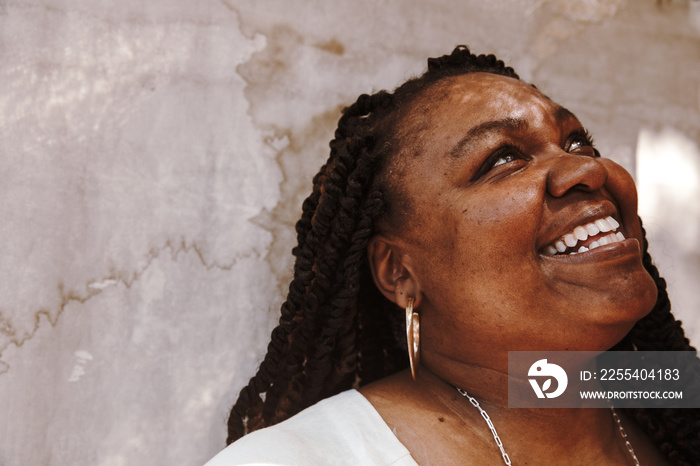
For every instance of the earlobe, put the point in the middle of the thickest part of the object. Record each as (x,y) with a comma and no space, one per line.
(392,272)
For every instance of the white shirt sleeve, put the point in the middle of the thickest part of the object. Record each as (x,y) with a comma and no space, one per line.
(338,431)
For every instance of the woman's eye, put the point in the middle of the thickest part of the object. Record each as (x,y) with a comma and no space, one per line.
(504,159)
(502,156)
(581,141)
(576,144)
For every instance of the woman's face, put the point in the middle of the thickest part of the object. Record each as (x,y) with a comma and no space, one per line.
(495,175)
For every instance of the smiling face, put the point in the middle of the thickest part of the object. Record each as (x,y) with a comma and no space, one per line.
(498,178)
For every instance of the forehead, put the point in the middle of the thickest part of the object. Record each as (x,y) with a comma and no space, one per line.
(476,98)
(453,113)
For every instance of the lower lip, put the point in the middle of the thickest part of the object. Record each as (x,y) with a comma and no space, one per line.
(619,250)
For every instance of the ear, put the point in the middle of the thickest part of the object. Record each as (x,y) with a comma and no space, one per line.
(392,272)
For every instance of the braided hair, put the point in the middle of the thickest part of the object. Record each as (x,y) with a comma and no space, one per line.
(337,331)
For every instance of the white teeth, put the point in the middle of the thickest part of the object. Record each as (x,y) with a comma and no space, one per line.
(581,233)
(603,225)
(570,241)
(592,229)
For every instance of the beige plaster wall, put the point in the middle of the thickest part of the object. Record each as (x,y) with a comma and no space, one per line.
(155,154)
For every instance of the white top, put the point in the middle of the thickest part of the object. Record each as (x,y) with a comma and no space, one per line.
(341,430)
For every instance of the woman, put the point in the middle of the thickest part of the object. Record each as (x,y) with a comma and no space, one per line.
(446,212)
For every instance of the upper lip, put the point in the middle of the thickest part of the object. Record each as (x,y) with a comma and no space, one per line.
(590,214)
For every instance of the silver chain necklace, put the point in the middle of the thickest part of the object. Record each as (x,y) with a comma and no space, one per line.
(624,436)
(506,458)
(472,400)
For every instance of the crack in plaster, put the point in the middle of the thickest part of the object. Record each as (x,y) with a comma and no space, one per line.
(95,287)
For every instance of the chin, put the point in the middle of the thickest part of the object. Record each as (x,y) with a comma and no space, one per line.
(628,309)
(633,297)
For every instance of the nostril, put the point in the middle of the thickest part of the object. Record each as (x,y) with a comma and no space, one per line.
(581,187)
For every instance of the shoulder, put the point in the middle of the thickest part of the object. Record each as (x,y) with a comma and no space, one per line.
(341,430)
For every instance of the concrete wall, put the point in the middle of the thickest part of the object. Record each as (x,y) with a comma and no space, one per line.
(155,154)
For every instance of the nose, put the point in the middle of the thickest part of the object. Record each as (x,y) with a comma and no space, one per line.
(575,172)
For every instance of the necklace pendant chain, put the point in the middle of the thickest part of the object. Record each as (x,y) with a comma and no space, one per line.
(497,439)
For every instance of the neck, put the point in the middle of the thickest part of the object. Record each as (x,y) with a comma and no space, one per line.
(563,431)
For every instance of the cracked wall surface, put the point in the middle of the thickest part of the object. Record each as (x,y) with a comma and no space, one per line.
(155,156)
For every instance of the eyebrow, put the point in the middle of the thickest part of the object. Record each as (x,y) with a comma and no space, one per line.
(487,127)
(561,114)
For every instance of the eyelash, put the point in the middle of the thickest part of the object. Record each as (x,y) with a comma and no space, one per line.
(507,149)
(510,149)
(583,135)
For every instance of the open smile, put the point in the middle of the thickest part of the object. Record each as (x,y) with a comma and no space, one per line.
(586,237)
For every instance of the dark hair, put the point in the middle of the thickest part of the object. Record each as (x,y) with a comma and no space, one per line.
(337,331)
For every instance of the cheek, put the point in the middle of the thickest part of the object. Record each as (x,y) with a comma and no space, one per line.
(502,223)
(481,243)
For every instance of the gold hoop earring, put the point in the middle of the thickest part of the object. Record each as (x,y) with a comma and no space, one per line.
(412,337)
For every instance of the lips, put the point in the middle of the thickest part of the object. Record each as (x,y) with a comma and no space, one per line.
(586,237)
